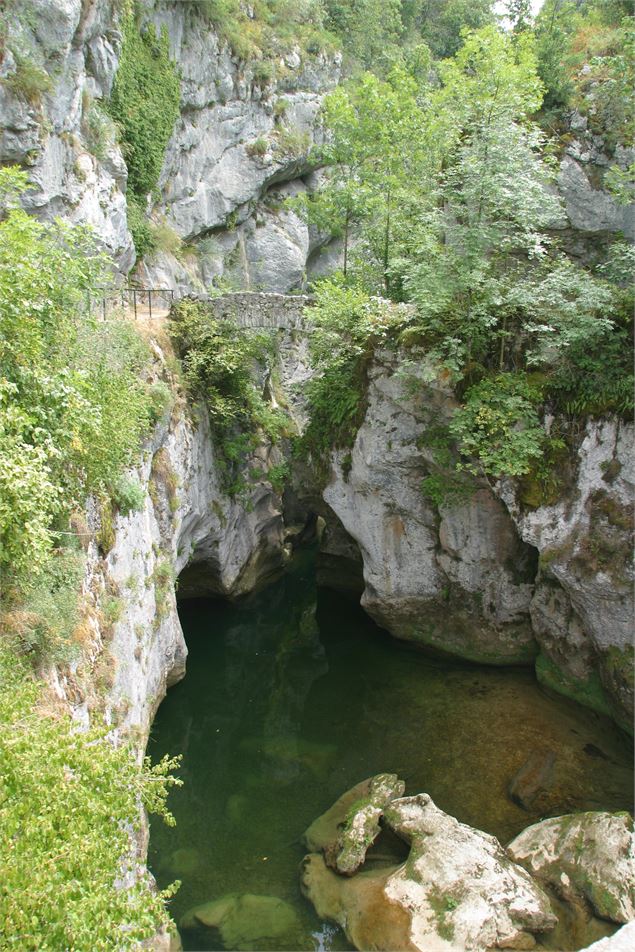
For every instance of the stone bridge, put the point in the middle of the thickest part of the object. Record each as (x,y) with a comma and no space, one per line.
(268,311)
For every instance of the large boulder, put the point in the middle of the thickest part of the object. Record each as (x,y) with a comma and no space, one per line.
(456,890)
(587,856)
(360,827)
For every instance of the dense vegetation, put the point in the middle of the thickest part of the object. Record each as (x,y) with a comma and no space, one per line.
(439,188)
(69,802)
(145,104)
(74,405)
(219,362)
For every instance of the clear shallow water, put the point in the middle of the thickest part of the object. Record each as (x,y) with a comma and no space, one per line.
(292,696)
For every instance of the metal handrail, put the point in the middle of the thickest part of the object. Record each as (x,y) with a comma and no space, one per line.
(130,297)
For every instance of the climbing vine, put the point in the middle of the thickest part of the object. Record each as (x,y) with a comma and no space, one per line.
(145,103)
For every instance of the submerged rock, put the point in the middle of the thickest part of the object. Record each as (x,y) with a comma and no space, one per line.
(457,889)
(244,921)
(534,778)
(587,856)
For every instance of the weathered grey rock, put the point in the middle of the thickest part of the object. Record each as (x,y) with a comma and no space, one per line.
(212,177)
(420,564)
(457,890)
(360,827)
(582,609)
(591,209)
(245,921)
(210,171)
(585,856)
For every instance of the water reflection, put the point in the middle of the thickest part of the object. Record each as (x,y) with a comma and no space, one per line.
(292,696)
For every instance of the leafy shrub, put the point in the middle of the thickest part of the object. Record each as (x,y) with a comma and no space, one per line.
(99,130)
(145,103)
(69,804)
(347,325)
(292,142)
(28,80)
(42,612)
(161,401)
(218,359)
(499,426)
(258,147)
(128,495)
(165,238)
(140,227)
(263,72)
(73,400)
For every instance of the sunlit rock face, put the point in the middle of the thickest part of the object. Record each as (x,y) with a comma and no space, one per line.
(238,149)
(457,889)
(489,577)
(456,579)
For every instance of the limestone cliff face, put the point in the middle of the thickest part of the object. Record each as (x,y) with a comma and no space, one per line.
(486,577)
(77,45)
(136,645)
(216,184)
(189,534)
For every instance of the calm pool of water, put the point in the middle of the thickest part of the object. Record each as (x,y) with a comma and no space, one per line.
(294,695)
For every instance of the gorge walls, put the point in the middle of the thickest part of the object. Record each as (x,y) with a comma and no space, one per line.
(238,148)
(491,577)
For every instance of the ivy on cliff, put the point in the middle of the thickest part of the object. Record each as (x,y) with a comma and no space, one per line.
(145,103)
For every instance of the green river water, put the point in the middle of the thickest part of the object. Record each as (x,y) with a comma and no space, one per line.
(293,695)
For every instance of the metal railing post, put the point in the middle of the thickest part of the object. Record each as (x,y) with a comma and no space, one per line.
(150,302)
(134,297)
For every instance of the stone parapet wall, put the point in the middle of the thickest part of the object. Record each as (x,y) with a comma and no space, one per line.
(261,310)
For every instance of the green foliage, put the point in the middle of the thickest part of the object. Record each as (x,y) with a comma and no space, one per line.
(258,147)
(267,29)
(99,130)
(445,187)
(445,483)
(586,61)
(218,360)
(163,580)
(165,238)
(278,475)
(161,401)
(291,142)
(442,22)
(499,427)
(41,610)
(69,802)
(367,28)
(347,326)
(28,80)
(73,402)
(145,102)
(140,227)
(128,495)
